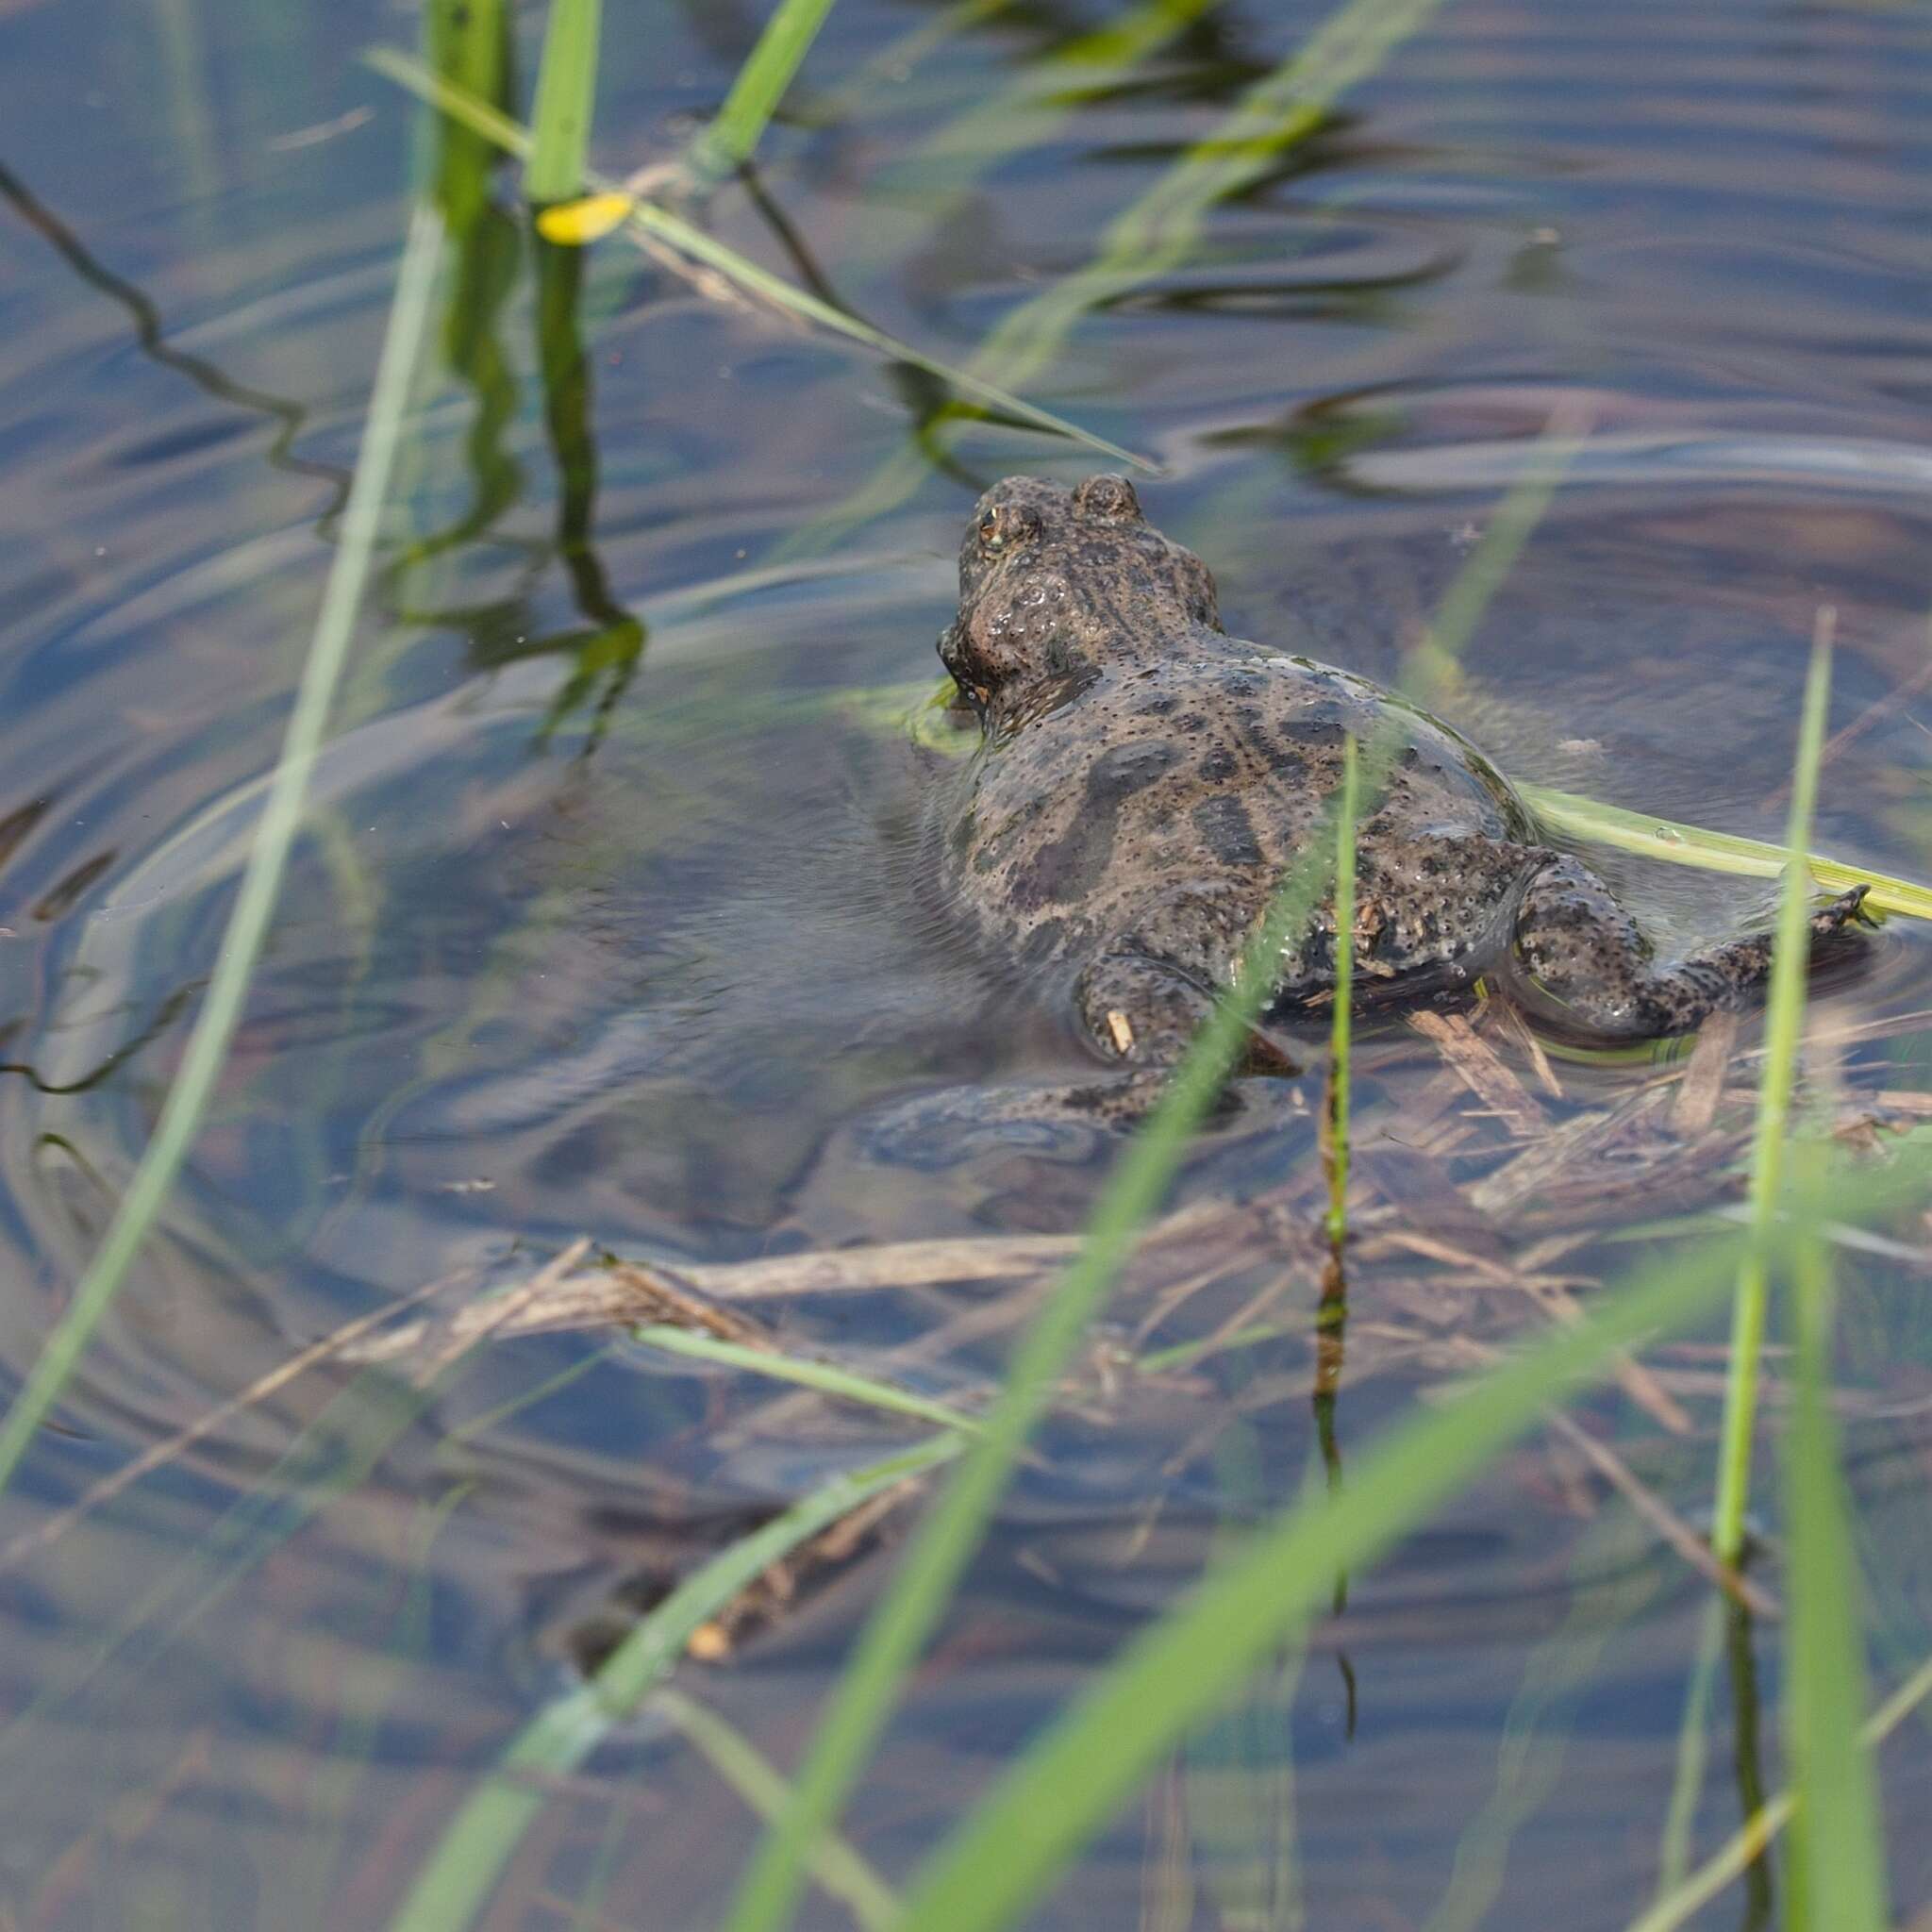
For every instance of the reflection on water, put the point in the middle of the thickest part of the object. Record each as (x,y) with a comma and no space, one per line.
(612,917)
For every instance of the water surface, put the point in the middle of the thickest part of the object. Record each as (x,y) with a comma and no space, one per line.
(609,921)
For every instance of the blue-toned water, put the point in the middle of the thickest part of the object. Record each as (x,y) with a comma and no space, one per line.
(609,919)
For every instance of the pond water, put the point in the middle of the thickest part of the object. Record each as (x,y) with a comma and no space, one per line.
(607,921)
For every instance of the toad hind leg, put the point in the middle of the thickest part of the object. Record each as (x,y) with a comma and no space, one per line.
(1580,961)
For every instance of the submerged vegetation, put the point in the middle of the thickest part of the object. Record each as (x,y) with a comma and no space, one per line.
(1067,1782)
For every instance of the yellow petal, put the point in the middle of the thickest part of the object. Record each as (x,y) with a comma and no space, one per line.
(576,223)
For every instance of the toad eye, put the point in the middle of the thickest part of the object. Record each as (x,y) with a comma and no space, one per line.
(1006,525)
(1110,497)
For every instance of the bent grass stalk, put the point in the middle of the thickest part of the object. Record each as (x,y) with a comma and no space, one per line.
(1784,1020)
(1673,843)
(207,1046)
(481,1839)
(478,115)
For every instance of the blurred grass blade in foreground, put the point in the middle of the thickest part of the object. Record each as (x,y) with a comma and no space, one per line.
(828,1378)
(1159,231)
(462,1873)
(227,989)
(1071,1780)
(1783,1025)
(1835,1877)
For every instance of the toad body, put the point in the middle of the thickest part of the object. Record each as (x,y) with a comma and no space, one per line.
(1145,782)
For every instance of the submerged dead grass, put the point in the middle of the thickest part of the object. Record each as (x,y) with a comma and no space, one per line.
(1477,1214)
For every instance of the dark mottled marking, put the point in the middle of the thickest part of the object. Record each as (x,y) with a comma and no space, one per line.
(1124,769)
(1066,870)
(1070,868)
(1219,766)
(1228,832)
(1289,766)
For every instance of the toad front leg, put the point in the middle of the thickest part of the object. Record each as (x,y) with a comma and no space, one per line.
(1144,1010)
(1581,962)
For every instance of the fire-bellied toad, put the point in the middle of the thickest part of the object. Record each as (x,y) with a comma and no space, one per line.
(1145,781)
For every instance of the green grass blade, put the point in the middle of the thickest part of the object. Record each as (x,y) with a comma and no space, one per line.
(1836,1876)
(700,246)
(457,1880)
(1784,1020)
(1159,232)
(1070,1783)
(733,137)
(566,88)
(1680,844)
(1435,662)
(1687,1782)
(227,989)
(830,1380)
(409,73)
(838,1870)
(437,91)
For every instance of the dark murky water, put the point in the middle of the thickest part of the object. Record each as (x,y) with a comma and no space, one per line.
(588,940)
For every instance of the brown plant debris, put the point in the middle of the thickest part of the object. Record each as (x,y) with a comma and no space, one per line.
(631,1294)
(1694,1111)
(1483,1072)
